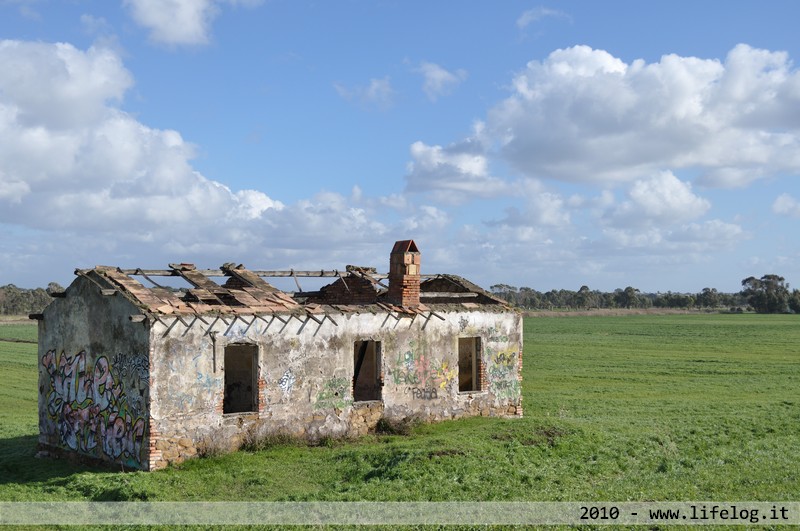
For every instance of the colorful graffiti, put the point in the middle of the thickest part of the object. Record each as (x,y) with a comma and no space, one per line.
(505,358)
(502,373)
(135,369)
(495,336)
(416,369)
(90,408)
(334,394)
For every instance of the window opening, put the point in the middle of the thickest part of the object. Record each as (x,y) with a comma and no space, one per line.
(469,359)
(367,370)
(241,362)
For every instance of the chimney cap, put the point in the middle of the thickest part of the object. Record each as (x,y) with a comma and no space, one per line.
(405,246)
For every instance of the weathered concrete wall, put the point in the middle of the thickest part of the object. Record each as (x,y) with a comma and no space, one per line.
(94,377)
(304,377)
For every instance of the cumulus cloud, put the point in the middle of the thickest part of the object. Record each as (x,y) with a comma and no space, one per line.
(180,22)
(175,21)
(542,208)
(583,115)
(377,93)
(72,160)
(439,81)
(425,219)
(54,86)
(74,167)
(662,199)
(786,205)
(452,173)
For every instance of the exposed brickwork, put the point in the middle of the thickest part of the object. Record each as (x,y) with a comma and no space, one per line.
(483,382)
(352,289)
(262,395)
(404,270)
(154,454)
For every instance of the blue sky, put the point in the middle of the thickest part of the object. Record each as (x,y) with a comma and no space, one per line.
(549,145)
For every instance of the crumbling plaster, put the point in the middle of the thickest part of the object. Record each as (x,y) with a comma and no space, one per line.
(305,372)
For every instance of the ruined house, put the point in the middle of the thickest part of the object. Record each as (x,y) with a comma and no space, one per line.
(142,375)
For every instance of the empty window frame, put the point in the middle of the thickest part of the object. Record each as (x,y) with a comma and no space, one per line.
(366,370)
(469,364)
(241,367)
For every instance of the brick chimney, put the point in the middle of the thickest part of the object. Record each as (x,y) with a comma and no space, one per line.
(404,265)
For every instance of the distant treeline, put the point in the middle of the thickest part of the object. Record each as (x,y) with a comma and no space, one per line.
(587,299)
(769,294)
(21,301)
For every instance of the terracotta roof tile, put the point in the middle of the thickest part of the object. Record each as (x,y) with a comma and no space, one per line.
(245,293)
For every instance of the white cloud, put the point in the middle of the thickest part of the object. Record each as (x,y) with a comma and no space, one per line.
(542,208)
(378,93)
(175,21)
(662,199)
(583,115)
(680,241)
(786,205)
(180,22)
(453,173)
(73,161)
(538,13)
(549,209)
(426,219)
(712,234)
(122,192)
(12,189)
(56,85)
(438,81)
(95,25)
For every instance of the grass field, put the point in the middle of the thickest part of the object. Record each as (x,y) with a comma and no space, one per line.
(678,407)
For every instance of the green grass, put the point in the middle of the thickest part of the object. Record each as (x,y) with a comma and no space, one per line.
(18,332)
(684,407)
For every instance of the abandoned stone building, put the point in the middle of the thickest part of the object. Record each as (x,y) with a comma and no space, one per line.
(139,374)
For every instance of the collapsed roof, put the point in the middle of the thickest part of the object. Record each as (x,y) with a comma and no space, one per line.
(244,291)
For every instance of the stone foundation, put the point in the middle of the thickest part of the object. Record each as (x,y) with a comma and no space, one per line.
(365,417)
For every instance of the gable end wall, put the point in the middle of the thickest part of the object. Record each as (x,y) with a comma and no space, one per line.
(94,386)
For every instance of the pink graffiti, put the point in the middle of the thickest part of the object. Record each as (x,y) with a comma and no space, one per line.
(90,408)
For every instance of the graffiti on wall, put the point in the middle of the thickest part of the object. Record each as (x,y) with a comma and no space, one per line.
(286,383)
(334,394)
(496,336)
(242,330)
(189,383)
(417,369)
(502,373)
(134,369)
(91,410)
(504,358)
(423,393)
